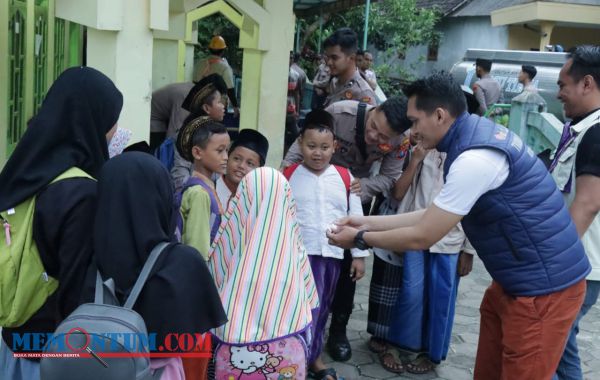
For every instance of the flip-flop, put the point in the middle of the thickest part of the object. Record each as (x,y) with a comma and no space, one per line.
(377,345)
(420,365)
(397,367)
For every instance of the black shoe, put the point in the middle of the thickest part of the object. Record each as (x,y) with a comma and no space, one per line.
(339,347)
(337,343)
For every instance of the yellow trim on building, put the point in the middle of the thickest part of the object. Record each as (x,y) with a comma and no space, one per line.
(551,19)
(180,61)
(541,10)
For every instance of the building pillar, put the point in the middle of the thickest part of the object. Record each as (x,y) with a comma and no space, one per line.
(265,73)
(173,52)
(546,28)
(125,56)
(165,56)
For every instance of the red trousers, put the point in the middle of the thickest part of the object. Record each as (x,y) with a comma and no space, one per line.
(523,338)
(195,368)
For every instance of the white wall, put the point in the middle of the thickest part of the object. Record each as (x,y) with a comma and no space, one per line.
(164,63)
(125,57)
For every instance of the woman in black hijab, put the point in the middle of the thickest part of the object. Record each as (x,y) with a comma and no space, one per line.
(71,129)
(135,197)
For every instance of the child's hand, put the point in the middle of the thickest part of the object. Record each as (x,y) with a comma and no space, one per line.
(355,187)
(357,270)
(418,154)
(342,237)
(465,263)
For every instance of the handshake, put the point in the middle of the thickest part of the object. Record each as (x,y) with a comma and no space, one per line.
(332,228)
(342,232)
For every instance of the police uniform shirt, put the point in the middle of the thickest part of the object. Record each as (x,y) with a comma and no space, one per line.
(356,88)
(348,154)
(215,65)
(166,114)
(487,91)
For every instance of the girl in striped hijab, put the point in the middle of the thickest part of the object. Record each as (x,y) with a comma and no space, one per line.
(265,282)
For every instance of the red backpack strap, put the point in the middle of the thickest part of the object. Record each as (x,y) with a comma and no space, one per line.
(345,174)
(288,171)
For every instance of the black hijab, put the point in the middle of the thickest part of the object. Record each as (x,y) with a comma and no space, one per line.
(135,197)
(69,130)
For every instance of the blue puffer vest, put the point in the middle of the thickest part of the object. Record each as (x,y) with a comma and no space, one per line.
(522,231)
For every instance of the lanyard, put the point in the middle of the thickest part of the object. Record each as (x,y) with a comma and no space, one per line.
(562,148)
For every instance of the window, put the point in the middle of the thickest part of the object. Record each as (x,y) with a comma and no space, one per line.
(432,52)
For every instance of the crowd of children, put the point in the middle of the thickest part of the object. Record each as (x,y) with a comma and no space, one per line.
(248,258)
(254,266)
(249,251)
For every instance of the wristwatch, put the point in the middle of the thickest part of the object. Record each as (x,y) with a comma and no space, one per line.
(359,242)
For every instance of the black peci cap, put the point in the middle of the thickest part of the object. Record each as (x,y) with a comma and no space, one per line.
(203,88)
(253,140)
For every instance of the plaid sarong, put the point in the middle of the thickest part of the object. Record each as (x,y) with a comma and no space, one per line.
(386,283)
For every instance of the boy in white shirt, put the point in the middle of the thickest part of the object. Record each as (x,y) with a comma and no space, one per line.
(322,193)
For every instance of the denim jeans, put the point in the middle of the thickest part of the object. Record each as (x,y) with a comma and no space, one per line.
(569,367)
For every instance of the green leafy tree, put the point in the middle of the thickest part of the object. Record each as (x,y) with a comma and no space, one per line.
(394,27)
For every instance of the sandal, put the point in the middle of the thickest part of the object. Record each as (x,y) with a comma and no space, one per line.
(377,345)
(420,365)
(322,374)
(396,366)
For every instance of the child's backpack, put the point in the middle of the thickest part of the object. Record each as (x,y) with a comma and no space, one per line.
(344,173)
(108,328)
(166,153)
(24,284)
(215,212)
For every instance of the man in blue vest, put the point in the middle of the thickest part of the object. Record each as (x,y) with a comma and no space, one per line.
(515,218)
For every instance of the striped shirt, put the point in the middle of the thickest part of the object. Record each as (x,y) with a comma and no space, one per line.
(260,265)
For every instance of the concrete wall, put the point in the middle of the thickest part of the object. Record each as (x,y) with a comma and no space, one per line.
(165,60)
(520,38)
(569,37)
(459,34)
(126,57)
(164,63)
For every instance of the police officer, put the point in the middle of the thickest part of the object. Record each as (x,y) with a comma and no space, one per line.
(381,139)
(487,90)
(166,114)
(320,83)
(347,83)
(215,63)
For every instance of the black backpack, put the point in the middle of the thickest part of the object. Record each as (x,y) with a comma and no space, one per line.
(89,323)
